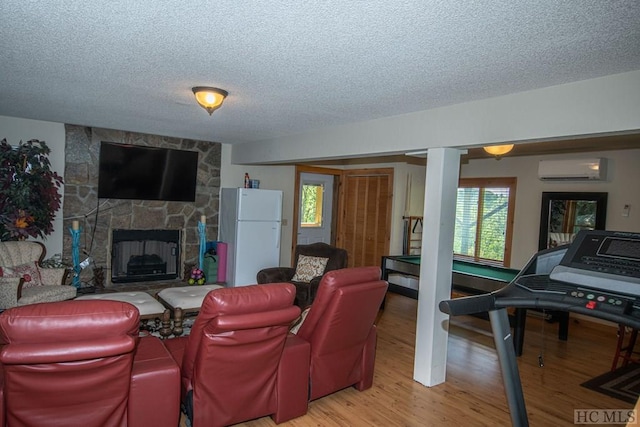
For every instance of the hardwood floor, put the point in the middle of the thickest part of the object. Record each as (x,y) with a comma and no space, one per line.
(473,394)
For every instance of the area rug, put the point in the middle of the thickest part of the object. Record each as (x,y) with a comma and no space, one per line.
(623,383)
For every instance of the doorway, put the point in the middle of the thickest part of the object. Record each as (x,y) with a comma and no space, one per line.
(360,211)
(314,175)
(316,208)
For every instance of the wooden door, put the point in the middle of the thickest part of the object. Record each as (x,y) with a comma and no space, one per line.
(364,222)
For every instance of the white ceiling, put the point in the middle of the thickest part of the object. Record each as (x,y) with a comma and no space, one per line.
(294,66)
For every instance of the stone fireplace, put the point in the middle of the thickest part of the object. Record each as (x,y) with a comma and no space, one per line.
(99,218)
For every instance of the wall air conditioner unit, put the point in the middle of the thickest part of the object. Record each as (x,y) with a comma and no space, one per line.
(573,170)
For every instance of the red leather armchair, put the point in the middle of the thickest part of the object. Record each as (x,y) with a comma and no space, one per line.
(81,363)
(240,362)
(340,328)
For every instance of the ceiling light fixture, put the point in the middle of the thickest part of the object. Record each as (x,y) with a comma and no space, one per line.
(210,98)
(498,150)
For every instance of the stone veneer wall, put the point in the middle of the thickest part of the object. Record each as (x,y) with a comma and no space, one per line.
(82,149)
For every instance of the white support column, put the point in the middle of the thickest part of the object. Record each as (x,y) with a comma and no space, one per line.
(443,165)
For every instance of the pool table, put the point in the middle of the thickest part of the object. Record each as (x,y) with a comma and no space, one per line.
(469,278)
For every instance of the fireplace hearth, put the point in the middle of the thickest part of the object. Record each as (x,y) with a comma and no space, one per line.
(144,255)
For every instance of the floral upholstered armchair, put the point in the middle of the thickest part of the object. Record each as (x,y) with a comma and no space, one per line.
(311,262)
(22,279)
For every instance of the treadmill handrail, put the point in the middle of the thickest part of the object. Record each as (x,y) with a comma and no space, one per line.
(473,304)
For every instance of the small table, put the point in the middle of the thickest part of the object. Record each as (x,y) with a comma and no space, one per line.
(183,300)
(148,307)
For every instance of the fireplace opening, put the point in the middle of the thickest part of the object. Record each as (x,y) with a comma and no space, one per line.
(144,255)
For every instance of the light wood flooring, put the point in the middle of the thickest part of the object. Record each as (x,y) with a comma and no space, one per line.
(473,394)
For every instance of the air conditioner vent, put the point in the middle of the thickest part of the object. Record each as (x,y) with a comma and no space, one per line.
(573,170)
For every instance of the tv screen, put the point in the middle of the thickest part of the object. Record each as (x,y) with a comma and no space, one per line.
(146,173)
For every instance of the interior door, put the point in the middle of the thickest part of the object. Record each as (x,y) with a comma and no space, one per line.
(365,221)
(316,206)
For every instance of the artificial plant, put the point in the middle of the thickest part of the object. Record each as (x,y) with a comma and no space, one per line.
(29,190)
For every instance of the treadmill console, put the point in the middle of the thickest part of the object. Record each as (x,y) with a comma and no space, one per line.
(602,260)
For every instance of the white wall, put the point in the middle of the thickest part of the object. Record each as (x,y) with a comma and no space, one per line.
(271,178)
(16,130)
(283,178)
(623,177)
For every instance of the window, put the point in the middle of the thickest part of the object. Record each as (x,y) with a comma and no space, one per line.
(312,205)
(484,219)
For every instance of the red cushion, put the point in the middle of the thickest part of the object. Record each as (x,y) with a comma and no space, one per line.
(100,318)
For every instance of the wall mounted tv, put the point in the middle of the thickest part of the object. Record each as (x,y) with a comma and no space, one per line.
(146,173)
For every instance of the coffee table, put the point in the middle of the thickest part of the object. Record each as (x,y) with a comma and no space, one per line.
(183,300)
(148,306)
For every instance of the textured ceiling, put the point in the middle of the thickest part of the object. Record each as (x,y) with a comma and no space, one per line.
(291,67)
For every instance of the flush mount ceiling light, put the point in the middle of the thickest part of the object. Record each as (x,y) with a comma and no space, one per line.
(498,150)
(209,98)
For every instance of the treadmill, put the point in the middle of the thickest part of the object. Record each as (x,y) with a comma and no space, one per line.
(597,275)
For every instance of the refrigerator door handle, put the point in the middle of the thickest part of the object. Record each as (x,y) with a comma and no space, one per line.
(278,233)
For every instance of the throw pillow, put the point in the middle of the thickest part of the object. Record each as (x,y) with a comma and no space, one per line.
(29,272)
(309,267)
(299,321)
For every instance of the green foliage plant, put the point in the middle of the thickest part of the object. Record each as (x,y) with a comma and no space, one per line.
(29,190)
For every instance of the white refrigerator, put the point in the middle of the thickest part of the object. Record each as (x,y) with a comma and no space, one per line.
(250,223)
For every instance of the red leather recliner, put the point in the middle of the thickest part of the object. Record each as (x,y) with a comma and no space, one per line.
(81,363)
(340,328)
(240,362)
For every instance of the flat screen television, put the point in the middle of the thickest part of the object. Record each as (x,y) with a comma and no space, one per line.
(146,173)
